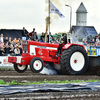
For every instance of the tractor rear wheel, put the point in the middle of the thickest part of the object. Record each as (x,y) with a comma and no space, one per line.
(74,60)
(20,68)
(36,65)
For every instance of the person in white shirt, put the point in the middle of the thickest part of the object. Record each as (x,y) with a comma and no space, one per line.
(17,51)
(2,38)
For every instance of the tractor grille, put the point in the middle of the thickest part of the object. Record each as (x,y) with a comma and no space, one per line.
(25,48)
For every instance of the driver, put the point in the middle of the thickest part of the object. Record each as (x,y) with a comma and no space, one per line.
(63,41)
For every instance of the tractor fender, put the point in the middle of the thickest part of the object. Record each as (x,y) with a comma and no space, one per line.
(71,44)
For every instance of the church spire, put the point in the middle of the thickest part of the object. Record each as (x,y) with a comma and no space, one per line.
(81,8)
(81,15)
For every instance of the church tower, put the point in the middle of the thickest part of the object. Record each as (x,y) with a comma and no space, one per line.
(81,15)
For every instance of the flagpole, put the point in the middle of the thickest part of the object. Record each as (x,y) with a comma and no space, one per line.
(49,21)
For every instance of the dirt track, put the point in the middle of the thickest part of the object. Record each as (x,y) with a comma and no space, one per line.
(9,75)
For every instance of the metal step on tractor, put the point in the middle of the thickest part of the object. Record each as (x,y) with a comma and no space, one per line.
(72,60)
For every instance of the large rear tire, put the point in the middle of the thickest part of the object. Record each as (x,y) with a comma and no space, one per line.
(20,69)
(36,65)
(74,60)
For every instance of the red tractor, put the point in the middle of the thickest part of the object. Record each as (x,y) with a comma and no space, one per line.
(72,60)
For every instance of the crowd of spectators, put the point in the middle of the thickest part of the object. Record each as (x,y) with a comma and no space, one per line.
(13,47)
(35,37)
(94,42)
(9,46)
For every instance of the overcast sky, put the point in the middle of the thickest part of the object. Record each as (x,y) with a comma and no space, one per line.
(14,14)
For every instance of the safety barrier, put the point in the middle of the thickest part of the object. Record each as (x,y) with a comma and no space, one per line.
(4,63)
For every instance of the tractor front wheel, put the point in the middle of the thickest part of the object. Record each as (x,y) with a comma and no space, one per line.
(20,68)
(36,65)
(74,60)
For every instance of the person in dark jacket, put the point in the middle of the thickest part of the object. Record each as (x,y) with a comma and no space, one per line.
(11,51)
(49,37)
(6,49)
(24,34)
(2,51)
(63,41)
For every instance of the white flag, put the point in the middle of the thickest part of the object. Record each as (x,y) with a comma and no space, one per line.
(53,9)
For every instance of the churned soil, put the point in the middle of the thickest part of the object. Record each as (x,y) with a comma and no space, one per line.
(10,75)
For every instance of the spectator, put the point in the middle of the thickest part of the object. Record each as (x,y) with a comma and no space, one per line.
(9,41)
(19,40)
(43,35)
(20,47)
(24,34)
(2,44)
(35,36)
(75,39)
(53,39)
(38,36)
(2,51)
(18,43)
(13,43)
(42,40)
(5,39)
(11,51)
(57,40)
(97,40)
(11,46)
(93,43)
(2,38)
(31,33)
(32,37)
(15,40)
(6,49)
(49,37)
(17,51)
